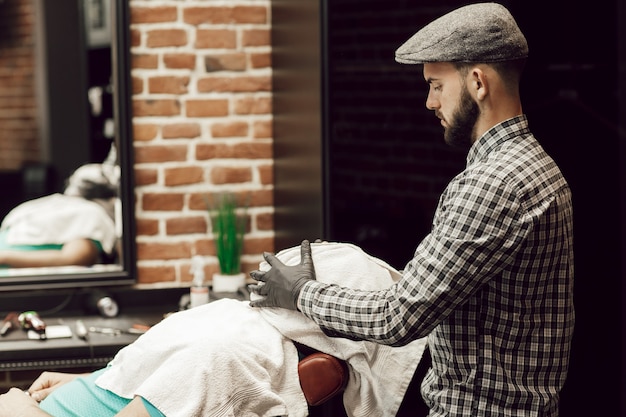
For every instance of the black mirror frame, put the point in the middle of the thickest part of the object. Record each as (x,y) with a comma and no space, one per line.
(123,118)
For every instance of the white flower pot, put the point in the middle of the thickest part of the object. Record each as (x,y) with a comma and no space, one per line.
(228,283)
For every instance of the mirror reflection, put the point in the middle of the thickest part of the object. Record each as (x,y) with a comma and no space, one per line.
(75,227)
(59,149)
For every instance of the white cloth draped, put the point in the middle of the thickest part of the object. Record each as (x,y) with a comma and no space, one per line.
(229,359)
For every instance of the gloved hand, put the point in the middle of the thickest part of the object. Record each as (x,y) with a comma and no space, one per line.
(281,285)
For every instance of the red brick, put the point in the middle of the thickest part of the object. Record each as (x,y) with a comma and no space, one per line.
(265,221)
(186,225)
(231,129)
(137,85)
(258,245)
(250,14)
(183,176)
(180,61)
(207,108)
(224,15)
(145,176)
(216,39)
(205,247)
(225,62)
(256,37)
(245,150)
(253,105)
(262,198)
(135,37)
(262,129)
(153,250)
(235,84)
(144,132)
(210,15)
(168,85)
(155,274)
(261,60)
(153,14)
(181,130)
(266,172)
(158,153)
(230,175)
(147,227)
(160,38)
(163,201)
(160,107)
(145,61)
(253,150)
(206,151)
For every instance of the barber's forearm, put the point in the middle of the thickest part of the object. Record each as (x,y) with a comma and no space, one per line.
(326,305)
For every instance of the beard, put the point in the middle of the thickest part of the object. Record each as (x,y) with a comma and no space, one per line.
(460,131)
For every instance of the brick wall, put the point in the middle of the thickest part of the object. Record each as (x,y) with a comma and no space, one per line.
(18,129)
(201,79)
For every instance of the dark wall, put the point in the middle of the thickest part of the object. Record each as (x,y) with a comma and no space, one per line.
(385,163)
(571,96)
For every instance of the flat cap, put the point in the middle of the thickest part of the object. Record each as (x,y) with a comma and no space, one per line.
(482,32)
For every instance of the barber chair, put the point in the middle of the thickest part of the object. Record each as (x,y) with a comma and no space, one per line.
(323,377)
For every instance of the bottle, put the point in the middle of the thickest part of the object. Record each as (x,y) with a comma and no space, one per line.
(199,293)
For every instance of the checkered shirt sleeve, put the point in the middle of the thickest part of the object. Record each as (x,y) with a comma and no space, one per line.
(491,286)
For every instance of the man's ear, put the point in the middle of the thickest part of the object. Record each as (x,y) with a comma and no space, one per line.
(479,85)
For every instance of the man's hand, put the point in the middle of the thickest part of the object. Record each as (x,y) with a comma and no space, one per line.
(281,285)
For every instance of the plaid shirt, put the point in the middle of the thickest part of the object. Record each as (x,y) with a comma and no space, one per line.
(491,286)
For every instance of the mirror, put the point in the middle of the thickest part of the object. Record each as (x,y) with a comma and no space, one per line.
(64,67)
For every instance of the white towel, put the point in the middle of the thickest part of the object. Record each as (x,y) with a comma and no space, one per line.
(219,359)
(57,219)
(229,359)
(379,374)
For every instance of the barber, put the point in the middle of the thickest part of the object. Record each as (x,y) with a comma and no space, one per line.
(491,284)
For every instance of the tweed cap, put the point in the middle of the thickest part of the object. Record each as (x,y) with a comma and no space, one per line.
(483,32)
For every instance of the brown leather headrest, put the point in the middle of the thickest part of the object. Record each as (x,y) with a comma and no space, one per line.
(322,376)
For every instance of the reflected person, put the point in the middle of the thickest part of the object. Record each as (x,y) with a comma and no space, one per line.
(76,227)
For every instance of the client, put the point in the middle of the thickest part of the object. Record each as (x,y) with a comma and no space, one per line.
(76,227)
(226,358)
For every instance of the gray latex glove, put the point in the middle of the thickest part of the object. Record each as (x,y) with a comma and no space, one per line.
(281,285)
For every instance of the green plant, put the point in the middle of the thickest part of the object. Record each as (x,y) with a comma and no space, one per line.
(228,227)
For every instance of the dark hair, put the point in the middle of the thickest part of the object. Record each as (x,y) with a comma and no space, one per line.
(92,190)
(91,182)
(509,71)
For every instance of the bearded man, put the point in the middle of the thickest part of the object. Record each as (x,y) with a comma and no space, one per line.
(491,285)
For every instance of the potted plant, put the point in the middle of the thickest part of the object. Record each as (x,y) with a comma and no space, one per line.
(228,227)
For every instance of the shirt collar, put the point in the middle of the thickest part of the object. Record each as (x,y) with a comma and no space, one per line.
(497,135)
